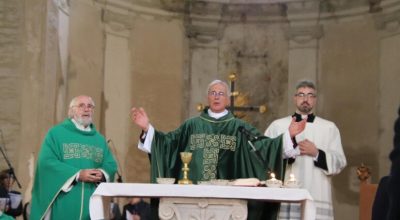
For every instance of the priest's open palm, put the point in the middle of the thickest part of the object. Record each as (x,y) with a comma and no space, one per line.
(139,117)
(296,128)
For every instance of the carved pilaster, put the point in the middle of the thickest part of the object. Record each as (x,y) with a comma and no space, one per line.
(202,29)
(304,29)
(303,34)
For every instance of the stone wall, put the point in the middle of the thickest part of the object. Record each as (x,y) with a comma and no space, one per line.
(11,17)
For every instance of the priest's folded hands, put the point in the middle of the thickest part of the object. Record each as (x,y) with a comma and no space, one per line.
(90,175)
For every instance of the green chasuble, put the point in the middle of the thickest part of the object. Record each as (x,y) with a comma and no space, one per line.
(65,151)
(6,217)
(219,151)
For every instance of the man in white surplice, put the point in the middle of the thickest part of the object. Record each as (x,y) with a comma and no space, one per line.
(319,153)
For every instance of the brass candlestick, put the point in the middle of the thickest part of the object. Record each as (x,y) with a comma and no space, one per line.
(186,157)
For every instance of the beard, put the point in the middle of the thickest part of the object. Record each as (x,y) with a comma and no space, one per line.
(84,121)
(305,108)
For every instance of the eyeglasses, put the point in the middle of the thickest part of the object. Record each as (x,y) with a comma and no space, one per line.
(215,94)
(83,106)
(308,95)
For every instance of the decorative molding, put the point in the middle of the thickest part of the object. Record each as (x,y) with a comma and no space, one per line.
(255,11)
(116,23)
(388,22)
(304,34)
(174,5)
(138,9)
(202,209)
(203,32)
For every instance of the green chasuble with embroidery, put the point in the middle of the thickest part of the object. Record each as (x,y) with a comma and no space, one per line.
(65,151)
(219,151)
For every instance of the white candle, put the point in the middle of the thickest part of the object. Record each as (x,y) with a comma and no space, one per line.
(291,177)
(273,182)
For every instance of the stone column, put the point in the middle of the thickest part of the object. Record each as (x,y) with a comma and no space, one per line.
(117,84)
(86,54)
(39,79)
(303,34)
(389,78)
(63,52)
(204,37)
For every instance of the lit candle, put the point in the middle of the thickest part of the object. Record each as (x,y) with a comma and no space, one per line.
(273,182)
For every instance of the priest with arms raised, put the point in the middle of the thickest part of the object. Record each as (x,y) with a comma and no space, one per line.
(219,150)
(73,159)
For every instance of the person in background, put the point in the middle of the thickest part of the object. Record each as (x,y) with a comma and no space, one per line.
(319,153)
(219,145)
(136,209)
(14,206)
(115,212)
(73,160)
(394,178)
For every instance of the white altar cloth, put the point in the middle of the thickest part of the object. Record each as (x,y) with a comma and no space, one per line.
(199,191)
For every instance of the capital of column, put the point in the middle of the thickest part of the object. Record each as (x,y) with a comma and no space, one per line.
(204,33)
(116,23)
(203,24)
(304,22)
(389,22)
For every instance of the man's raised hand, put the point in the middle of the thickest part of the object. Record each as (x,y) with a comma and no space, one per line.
(296,128)
(139,117)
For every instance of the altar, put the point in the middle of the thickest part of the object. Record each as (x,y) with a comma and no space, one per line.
(204,201)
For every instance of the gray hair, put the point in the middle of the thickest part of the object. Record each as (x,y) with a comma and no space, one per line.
(73,103)
(306,83)
(217,81)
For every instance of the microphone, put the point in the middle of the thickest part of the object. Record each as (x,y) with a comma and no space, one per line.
(11,169)
(250,136)
(111,143)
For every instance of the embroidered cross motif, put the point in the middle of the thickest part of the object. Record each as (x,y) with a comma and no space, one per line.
(211,145)
(76,150)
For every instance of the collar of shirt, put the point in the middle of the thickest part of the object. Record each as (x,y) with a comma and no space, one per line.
(299,117)
(80,127)
(217,115)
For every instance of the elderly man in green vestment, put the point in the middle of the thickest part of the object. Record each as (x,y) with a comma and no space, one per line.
(73,159)
(219,149)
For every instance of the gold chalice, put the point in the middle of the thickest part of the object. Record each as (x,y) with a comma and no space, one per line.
(186,157)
